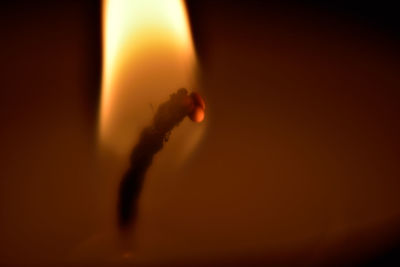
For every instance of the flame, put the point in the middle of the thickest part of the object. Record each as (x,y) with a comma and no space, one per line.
(148,54)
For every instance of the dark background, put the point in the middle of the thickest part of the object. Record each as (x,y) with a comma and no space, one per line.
(303,95)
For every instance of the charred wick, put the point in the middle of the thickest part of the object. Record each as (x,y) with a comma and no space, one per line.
(168,115)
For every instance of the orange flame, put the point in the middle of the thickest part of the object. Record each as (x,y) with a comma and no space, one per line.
(148,54)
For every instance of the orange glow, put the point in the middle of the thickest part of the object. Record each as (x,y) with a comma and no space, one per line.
(148,54)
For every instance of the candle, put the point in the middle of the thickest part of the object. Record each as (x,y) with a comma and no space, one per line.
(148,55)
(298,163)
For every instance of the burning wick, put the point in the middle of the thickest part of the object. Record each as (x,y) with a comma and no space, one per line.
(152,138)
